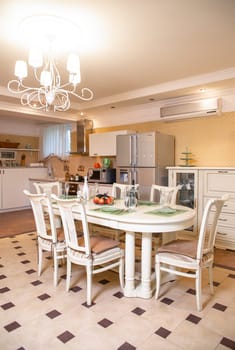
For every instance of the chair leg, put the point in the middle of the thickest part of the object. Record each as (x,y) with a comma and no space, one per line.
(68,274)
(121,272)
(39,260)
(198,289)
(89,283)
(158,278)
(210,271)
(55,267)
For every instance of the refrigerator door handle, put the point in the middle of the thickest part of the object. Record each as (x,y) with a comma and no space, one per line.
(130,151)
(133,150)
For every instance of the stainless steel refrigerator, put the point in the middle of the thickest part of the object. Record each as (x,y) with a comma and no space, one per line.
(143,158)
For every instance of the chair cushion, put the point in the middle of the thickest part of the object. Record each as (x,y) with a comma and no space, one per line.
(60,234)
(181,247)
(100,244)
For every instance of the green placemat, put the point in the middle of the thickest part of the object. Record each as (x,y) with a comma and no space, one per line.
(166,211)
(111,210)
(68,197)
(140,202)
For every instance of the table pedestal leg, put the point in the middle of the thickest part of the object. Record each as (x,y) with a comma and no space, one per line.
(129,290)
(145,290)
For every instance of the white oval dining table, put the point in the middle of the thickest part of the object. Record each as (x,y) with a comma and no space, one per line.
(142,221)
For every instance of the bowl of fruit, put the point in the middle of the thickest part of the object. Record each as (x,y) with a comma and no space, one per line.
(102,199)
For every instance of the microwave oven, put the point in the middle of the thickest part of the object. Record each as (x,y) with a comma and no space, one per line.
(7,155)
(102,175)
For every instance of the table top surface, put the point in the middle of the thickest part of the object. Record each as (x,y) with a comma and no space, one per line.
(147,217)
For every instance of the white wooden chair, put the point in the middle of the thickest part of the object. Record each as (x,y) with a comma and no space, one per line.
(96,253)
(119,190)
(50,238)
(164,194)
(48,187)
(167,195)
(188,257)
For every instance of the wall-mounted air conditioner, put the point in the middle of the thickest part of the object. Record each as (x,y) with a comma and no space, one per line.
(201,108)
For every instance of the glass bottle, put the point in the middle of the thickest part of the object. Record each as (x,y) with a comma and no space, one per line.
(85,190)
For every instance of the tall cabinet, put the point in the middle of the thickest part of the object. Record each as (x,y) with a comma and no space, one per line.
(187,178)
(201,183)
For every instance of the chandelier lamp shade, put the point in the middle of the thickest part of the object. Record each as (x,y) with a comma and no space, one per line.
(49,93)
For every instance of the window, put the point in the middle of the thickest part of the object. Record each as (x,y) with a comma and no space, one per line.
(55,139)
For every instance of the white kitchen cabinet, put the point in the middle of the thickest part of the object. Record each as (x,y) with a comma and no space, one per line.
(213,184)
(12,183)
(209,183)
(104,144)
(188,193)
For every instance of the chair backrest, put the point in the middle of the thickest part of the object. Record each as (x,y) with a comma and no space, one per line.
(167,191)
(41,204)
(66,206)
(48,187)
(119,190)
(208,228)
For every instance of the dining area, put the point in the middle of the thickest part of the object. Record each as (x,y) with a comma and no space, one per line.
(96,252)
(119,317)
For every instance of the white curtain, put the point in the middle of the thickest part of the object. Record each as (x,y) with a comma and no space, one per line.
(55,139)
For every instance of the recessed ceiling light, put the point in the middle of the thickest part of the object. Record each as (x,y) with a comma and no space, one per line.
(202,90)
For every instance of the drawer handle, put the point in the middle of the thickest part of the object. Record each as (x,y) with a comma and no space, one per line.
(222,220)
(222,234)
(222,171)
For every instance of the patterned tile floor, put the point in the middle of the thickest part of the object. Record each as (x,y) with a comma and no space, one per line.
(35,315)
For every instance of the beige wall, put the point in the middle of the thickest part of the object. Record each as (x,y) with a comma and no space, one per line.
(210,139)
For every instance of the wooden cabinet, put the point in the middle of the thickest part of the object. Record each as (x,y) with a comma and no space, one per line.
(12,183)
(210,183)
(104,144)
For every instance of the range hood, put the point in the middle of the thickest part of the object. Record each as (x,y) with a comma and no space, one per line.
(80,137)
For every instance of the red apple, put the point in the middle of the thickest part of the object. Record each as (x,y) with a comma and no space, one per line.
(96,200)
(101,200)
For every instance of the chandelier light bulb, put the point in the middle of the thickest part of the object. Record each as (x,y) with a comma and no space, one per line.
(73,63)
(45,78)
(21,70)
(35,57)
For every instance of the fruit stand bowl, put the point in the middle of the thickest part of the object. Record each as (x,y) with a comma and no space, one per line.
(103,199)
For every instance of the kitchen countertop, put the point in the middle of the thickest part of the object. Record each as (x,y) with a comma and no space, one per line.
(45,179)
(200,167)
(22,167)
(49,179)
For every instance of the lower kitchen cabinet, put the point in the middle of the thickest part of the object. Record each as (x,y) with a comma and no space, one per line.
(213,184)
(12,183)
(200,184)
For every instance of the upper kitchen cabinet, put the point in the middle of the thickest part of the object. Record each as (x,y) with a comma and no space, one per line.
(104,144)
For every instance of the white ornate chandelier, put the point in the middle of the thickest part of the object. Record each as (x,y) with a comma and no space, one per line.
(51,94)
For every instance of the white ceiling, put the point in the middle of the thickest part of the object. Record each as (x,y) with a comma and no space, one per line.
(138,54)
